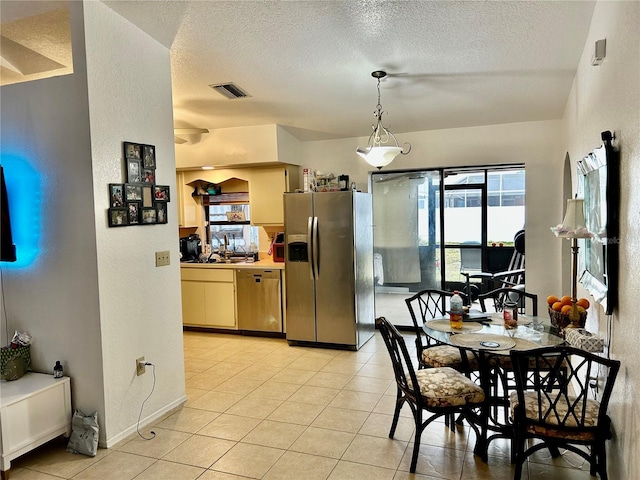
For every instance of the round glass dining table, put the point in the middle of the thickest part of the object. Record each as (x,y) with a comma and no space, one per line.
(488,336)
(491,334)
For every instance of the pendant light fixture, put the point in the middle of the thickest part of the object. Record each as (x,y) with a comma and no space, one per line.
(377,153)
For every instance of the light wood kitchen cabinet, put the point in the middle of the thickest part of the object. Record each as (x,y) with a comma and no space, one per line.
(208,298)
(266,186)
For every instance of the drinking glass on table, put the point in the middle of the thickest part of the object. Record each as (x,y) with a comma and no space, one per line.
(536,324)
(509,313)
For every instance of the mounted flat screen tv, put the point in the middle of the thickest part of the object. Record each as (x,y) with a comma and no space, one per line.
(599,182)
(7,248)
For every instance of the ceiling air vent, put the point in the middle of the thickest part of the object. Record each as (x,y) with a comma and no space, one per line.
(230,90)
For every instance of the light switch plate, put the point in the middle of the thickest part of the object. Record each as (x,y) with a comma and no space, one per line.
(162,258)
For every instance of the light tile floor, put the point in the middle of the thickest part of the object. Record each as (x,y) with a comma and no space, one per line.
(258,408)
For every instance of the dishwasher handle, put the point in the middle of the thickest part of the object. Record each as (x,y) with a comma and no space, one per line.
(257,277)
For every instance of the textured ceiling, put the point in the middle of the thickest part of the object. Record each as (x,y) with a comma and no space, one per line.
(35,41)
(307,64)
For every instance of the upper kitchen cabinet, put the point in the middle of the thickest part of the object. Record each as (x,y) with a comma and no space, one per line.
(266,186)
(239,147)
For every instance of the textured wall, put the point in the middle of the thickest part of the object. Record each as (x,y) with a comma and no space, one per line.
(536,144)
(92,297)
(607,97)
(45,125)
(129,85)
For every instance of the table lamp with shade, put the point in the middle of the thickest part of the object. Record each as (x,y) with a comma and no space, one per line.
(573,227)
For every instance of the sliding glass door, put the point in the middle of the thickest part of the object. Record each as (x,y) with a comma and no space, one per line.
(431,225)
(465,219)
(406,212)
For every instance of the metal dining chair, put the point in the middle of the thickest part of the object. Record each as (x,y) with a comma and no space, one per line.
(440,391)
(552,403)
(511,277)
(423,306)
(499,296)
(427,305)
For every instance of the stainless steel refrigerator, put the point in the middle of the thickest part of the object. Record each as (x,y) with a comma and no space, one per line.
(329,268)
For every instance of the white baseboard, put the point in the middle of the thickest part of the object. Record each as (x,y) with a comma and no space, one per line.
(110,442)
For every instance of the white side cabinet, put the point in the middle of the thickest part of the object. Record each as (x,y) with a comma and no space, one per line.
(33,410)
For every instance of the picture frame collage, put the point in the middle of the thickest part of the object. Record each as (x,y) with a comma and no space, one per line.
(138,200)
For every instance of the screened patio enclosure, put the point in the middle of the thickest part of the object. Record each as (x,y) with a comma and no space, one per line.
(432,225)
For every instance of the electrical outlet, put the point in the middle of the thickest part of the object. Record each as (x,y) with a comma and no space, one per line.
(162,258)
(140,366)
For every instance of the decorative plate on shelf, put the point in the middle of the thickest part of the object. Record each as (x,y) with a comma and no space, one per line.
(236,217)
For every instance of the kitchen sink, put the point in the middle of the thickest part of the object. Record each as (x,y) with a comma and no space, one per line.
(234,260)
(225,260)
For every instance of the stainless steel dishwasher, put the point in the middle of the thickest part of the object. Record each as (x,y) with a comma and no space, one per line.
(259,300)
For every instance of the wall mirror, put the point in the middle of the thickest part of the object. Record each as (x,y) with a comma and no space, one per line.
(599,185)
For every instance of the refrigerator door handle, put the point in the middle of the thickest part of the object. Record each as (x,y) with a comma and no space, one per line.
(316,249)
(310,247)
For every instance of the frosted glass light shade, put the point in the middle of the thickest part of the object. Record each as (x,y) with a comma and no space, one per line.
(379,156)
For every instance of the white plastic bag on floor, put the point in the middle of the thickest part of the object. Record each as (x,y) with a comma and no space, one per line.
(84,434)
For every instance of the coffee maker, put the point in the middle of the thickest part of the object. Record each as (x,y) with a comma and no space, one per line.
(190,248)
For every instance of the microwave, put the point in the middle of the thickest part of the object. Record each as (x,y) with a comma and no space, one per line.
(278,248)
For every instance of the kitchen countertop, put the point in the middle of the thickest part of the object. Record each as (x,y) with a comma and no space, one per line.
(264,264)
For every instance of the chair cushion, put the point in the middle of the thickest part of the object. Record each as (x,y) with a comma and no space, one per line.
(447,356)
(531,411)
(446,387)
(505,362)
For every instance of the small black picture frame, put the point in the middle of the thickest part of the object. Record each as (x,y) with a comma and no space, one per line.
(116,195)
(118,217)
(147,196)
(132,192)
(134,172)
(148,175)
(149,216)
(149,156)
(161,212)
(133,151)
(133,209)
(161,193)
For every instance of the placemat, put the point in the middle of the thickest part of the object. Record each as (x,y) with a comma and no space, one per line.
(522,344)
(445,326)
(486,341)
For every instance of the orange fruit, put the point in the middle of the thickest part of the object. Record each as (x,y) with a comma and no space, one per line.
(551,299)
(583,302)
(581,310)
(566,300)
(556,306)
(565,309)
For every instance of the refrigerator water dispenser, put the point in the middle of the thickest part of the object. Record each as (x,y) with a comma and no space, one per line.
(298,248)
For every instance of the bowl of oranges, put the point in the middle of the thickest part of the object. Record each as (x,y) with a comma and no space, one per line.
(560,308)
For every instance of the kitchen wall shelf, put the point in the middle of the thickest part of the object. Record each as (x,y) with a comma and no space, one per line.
(226,199)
